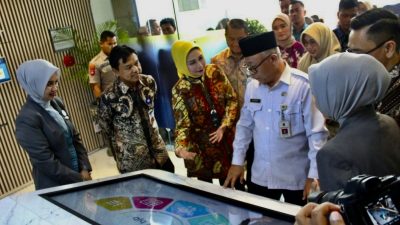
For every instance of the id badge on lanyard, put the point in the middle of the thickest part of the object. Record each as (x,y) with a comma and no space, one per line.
(284,124)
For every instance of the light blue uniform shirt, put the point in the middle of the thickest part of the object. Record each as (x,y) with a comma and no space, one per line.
(280,163)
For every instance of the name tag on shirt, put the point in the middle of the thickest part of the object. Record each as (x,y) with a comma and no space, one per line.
(284,128)
(255,100)
(284,125)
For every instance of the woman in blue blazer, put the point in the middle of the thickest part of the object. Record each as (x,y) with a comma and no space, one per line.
(44,130)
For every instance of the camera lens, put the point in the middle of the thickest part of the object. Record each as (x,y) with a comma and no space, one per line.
(316,196)
(320,197)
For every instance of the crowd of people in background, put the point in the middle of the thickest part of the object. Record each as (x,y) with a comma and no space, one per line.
(298,108)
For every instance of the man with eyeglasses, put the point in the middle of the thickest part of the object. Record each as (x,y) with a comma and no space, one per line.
(230,61)
(377,33)
(282,119)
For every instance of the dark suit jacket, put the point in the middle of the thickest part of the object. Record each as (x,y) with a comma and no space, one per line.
(42,137)
(367,143)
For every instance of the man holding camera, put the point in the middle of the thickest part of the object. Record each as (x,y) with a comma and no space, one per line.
(364,200)
(282,119)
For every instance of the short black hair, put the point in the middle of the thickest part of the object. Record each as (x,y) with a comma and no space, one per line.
(385,29)
(347,4)
(170,21)
(316,18)
(120,52)
(106,34)
(297,2)
(383,25)
(237,24)
(370,17)
(222,24)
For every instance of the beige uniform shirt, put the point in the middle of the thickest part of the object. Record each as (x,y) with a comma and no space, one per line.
(100,71)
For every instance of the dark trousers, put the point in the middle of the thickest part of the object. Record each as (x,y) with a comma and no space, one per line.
(249,160)
(294,197)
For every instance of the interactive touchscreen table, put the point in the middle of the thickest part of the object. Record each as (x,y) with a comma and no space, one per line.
(143,199)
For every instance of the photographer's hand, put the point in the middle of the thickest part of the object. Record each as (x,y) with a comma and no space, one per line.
(335,218)
(320,214)
(303,217)
(218,134)
(314,214)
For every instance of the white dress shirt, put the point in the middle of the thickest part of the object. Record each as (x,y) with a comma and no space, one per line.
(280,163)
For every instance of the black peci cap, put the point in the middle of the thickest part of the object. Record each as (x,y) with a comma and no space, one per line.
(254,44)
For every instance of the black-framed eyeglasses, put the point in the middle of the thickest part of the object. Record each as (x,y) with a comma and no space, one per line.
(370,51)
(250,71)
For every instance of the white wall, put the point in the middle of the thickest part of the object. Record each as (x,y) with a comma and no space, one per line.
(327,9)
(102,11)
(154,9)
(263,10)
(211,11)
(195,23)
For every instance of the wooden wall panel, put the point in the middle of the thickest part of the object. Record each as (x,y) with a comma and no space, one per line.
(24,35)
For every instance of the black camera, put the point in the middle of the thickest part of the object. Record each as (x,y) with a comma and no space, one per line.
(366,200)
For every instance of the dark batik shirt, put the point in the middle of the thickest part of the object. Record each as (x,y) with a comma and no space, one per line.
(120,118)
(390,104)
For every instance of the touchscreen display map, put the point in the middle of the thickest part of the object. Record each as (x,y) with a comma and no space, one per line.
(145,201)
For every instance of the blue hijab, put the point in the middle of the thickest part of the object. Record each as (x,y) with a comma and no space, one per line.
(345,82)
(33,76)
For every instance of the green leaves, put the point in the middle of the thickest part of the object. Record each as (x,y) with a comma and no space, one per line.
(86,48)
(255,27)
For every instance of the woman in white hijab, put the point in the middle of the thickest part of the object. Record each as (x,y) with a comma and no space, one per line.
(44,130)
(346,87)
